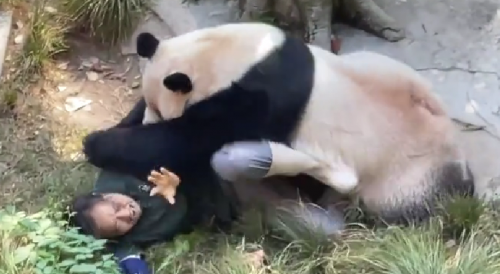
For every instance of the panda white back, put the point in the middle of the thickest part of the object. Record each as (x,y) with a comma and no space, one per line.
(362,104)
(375,127)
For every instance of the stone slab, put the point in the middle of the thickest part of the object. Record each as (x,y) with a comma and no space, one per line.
(174,17)
(455,44)
(5,27)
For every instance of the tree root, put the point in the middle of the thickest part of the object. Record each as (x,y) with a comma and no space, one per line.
(318,16)
(367,15)
(312,18)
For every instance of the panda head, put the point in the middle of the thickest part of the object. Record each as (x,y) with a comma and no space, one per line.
(193,66)
(179,70)
(151,48)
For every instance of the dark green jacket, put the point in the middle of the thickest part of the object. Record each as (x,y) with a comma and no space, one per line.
(160,221)
(210,200)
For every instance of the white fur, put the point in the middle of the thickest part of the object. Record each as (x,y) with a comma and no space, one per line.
(372,125)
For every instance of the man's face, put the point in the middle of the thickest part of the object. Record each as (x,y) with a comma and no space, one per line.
(115,215)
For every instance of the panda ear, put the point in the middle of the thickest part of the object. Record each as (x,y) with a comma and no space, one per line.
(146,45)
(178,82)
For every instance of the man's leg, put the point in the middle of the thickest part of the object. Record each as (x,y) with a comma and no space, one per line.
(243,161)
(257,160)
(247,164)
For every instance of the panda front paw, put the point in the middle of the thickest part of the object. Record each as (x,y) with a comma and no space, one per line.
(96,147)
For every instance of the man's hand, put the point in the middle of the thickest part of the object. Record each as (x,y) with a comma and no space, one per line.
(166,184)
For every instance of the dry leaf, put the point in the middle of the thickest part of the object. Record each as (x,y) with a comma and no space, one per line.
(135,85)
(75,103)
(50,9)
(63,66)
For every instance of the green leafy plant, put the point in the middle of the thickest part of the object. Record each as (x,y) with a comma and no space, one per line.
(38,244)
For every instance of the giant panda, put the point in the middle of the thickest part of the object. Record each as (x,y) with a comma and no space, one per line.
(362,123)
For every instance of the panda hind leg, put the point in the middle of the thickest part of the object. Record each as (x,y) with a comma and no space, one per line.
(291,162)
(339,176)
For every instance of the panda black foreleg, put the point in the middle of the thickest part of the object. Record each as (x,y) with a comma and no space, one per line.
(135,116)
(183,143)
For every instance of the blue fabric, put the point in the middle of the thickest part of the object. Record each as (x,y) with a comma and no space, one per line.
(134,264)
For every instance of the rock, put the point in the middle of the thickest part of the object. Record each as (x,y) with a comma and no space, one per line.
(63,66)
(19,39)
(178,17)
(92,76)
(5,29)
(3,167)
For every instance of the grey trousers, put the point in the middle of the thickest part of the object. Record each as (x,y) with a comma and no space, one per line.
(243,161)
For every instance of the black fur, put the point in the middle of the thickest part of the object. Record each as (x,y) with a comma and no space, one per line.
(287,75)
(146,45)
(135,116)
(178,82)
(183,143)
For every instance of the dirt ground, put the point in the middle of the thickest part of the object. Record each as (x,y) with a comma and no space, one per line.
(110,81)
(40,140)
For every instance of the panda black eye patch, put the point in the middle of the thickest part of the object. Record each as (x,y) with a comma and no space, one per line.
(178,82)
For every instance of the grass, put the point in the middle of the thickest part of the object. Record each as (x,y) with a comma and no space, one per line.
(40,169)
(109,21)
(44,38)
(413,250)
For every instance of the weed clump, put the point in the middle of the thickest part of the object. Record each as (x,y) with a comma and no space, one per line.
(109,21)
(44,34)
